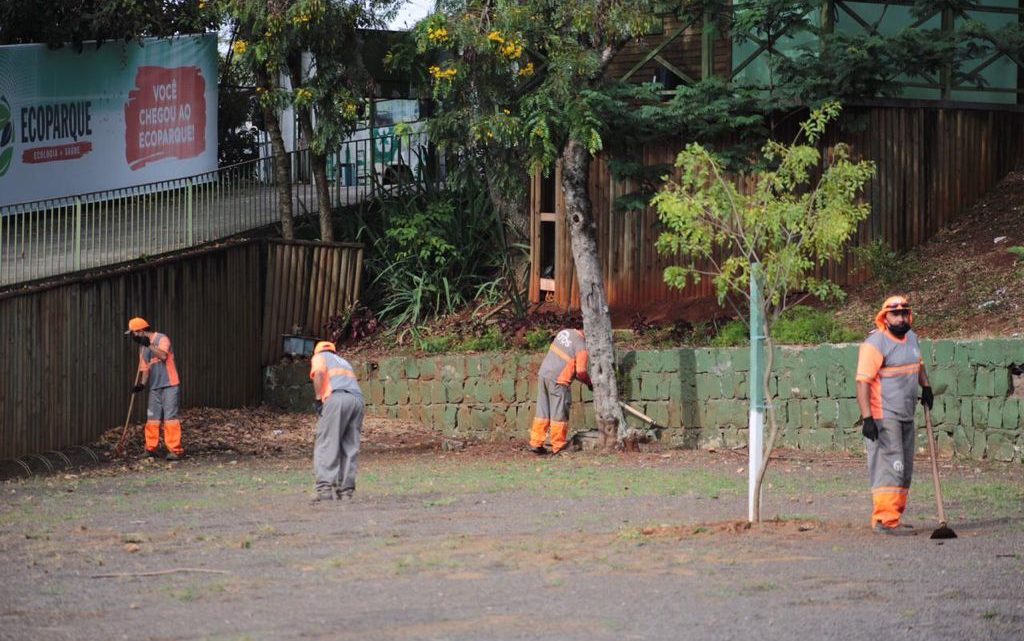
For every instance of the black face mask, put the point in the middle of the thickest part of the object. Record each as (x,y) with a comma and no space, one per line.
(141,340)
(899,330)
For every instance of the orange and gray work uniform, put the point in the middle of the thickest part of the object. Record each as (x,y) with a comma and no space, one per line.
(891,367)
(336,451)
(565,360)
(164,395)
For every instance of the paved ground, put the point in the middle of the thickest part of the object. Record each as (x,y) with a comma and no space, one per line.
(492,543)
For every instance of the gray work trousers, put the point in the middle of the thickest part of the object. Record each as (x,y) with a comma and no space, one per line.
(336,449)
(891,467)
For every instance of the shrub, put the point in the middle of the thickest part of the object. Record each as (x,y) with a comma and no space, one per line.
(437,344)
(491,341)
(537,339)
(732,334)
(888,266)
(800,325)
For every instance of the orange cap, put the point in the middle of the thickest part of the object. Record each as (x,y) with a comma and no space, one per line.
(324,346)
(137,325)
(892,304)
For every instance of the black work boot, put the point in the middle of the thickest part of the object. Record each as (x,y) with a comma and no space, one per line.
(322,496)
(540,450)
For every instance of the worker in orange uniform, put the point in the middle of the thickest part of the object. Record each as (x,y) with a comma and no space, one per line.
(889,370)
(339,403)
(565,360)
(156,367)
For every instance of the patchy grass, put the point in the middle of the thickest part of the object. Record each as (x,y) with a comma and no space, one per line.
(583,478)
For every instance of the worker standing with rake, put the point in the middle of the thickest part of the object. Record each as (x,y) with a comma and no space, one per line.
(157,368)
(889,370)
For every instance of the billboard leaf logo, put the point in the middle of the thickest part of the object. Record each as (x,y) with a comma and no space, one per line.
(6,136)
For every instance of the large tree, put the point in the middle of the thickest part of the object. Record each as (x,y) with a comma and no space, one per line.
(60,24)
(562,49)
(315,44)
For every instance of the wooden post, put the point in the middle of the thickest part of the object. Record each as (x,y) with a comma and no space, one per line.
(707,46)
(828,20)
(947,69)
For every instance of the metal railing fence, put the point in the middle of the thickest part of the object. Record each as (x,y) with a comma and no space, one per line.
(52,237)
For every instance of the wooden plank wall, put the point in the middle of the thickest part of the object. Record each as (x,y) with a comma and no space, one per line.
(933,163)
(307,284)
(67,366)
(683,53)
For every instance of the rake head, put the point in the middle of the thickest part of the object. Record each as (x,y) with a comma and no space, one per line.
(943,532)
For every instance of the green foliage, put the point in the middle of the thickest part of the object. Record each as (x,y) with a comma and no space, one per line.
(60,24)
(437,344)
(802,325)
(538,339)
(888,266)
(1017,251)
(733,334)
(798,325)
(429,253)
(490,341)
(790,223)
(515,73)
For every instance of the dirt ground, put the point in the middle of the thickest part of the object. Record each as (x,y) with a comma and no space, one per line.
(490,542)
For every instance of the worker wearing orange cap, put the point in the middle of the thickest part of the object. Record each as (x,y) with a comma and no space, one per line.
(889,370)
(339,403)
(566,359)
(157,368)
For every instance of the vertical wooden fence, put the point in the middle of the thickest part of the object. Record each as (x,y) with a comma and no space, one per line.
(307,284)
(67,365)
(933,161)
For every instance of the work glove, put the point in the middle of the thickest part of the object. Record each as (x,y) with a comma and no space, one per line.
(927,398)
(319,407)
(138,387)
(869,428)
(141,340)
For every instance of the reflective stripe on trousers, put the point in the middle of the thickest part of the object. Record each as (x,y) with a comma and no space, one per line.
(163,409)
(891,467)
(553,402)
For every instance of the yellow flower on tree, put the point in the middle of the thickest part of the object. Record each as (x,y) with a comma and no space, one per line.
(527,70)
(240,47)
(442,74)
(495,36)
(512,50)
(438,36)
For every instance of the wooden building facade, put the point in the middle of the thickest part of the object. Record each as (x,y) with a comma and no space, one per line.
(934,159)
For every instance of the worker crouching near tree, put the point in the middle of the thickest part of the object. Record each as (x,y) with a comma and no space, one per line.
(340,408)
(156,367)
(889,370)
(565,360)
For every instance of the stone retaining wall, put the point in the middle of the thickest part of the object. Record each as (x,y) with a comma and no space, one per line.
(700,394)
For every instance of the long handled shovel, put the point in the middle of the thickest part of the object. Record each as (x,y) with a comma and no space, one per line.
(119,448)
(943,531)
(640,415)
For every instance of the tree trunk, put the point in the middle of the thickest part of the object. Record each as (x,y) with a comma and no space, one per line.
(511,204)
(282,162)
(317,161)
(597,322)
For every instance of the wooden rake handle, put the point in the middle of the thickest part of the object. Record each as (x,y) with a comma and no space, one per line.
(119,448)
(935,465)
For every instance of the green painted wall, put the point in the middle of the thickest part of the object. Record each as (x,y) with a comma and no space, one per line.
(700,394)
